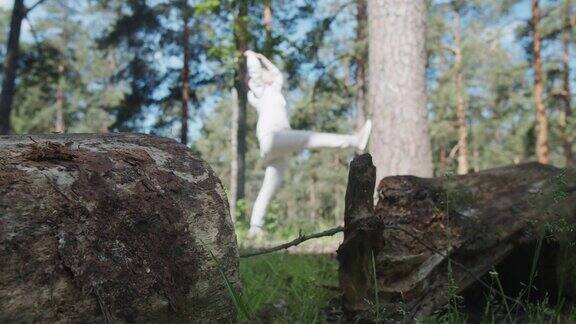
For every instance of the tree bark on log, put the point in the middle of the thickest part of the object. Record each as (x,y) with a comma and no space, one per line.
(428,240)
(112,228)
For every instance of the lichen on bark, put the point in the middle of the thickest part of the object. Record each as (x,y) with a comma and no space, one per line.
(112,228)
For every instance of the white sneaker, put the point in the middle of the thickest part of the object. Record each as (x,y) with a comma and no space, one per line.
(363,135)
(255,231)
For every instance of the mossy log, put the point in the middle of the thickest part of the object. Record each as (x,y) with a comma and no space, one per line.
(112,229)
(428,240)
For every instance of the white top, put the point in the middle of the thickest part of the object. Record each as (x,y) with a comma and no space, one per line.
(267,98)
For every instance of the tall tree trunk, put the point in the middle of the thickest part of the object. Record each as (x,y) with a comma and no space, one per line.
(460,101)
(397,87)
(60,125)
(241,37)
(269,41)
(313,199)
(542,150)
(442,161)
(104,129)
(475,156)
(234,160)
(567,93)
(108,93)
(361,58)
(10,66)
(185,76)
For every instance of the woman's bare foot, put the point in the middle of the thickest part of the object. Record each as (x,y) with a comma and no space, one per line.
(255,232)
(363,135)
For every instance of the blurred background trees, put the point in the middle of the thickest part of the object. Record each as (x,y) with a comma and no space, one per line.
(498,77)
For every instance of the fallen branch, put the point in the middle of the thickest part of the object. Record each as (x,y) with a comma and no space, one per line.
(301,238)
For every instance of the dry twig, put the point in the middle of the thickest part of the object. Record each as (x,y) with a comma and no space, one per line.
(301,238)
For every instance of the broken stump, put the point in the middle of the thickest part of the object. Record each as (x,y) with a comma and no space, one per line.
(428,240)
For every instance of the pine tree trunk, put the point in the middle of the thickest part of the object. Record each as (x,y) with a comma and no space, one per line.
(269,41)
(361,58)
(115,228)
(108,93)
(542,150)
(105,128)
(400,140)
(10,66)
(241,37)
(567,93)
(460,101)
(442,161)
(475,156)
(60,125)
(185,77)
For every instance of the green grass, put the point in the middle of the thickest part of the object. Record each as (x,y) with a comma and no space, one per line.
(287,288)
(295,288)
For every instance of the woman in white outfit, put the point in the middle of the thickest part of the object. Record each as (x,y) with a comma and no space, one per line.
(276,138)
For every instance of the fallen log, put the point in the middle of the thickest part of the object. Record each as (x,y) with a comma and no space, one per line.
(112,228)
(428,240)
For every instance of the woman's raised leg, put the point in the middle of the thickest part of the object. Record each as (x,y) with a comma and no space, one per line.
(282,143)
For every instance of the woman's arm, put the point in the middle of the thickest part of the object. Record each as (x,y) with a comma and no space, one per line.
(269,65)
(255,82)
(253,100)
(276,73)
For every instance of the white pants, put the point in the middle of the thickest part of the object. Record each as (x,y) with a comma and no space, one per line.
(275,149)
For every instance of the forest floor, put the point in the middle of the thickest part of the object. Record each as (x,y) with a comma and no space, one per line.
(300,285)
(288,288)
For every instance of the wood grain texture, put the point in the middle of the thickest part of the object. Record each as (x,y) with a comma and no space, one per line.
(433,238)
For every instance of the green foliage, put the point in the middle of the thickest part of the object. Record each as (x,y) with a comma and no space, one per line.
(69,44)
(4,23)
(498,83)
(207,6)
(152,32)
(39,77)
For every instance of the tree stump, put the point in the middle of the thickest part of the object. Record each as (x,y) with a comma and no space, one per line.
(112,228)
(428,240)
